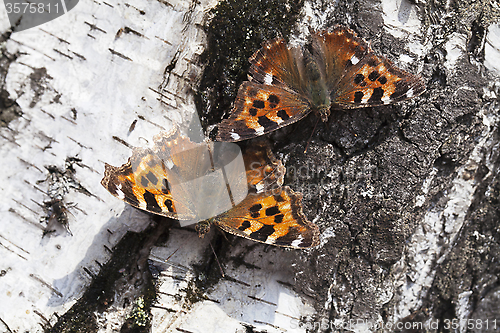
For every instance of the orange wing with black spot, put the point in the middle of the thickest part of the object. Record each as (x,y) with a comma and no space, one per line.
(355,76)
(271,218)
(145,180)
(260,109)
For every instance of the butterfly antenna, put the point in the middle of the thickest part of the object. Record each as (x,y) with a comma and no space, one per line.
(310,138)
(217,259)
(170,256)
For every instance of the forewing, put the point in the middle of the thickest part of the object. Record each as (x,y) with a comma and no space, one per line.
(276,64)
(356,77)
(275,219)
(145,180)
(260,109)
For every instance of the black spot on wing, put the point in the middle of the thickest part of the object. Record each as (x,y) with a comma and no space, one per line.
(273,99)
(267,123)
(359,78)
(382,80)
(253,112)
(259,104)
(255,215)
(376,97)
(373,76)
(170,205)
(263,233)
(151,204)
(272,211)
(165,186)
(144,181)
(278,218)
(358,95)
(255,208)
(152,178)
(245,225)
(283,115)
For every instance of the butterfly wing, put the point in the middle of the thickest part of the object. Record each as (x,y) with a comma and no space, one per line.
(264,171)
(260,109)
(275,219)
(355,76)
(145,181)
(276,64)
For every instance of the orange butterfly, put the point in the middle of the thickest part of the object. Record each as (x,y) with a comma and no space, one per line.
(270,214)
(340,72)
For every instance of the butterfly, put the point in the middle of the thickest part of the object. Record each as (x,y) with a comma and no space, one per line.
(270,213)
(338,71)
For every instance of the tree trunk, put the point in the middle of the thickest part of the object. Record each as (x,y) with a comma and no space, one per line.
(405,195)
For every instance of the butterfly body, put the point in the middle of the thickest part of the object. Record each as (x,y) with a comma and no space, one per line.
(314,86)
(338,71)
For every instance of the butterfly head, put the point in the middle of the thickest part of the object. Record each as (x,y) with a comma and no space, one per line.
(324,112)
(203,227)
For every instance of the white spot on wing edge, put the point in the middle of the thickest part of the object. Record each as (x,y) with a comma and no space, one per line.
(259,187)
(234,136)
(354,59)
(409,93)
(169,164)
(259,130)
(298,241)
(119,193)
(268,79)
(386,99)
